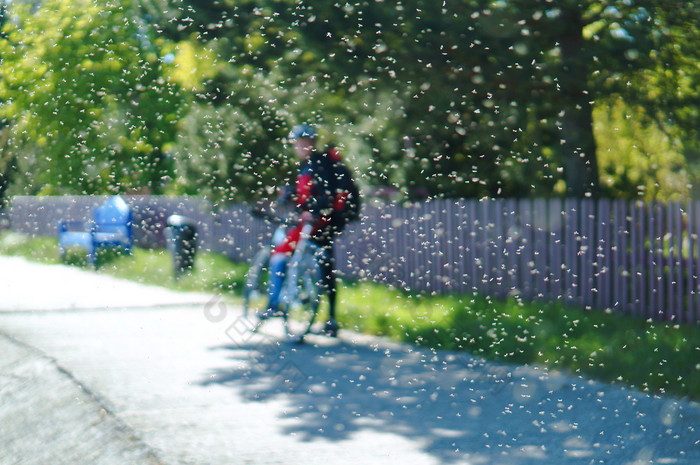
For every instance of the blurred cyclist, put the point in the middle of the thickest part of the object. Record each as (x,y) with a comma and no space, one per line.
(314,199)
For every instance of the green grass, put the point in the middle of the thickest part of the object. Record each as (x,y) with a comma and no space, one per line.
(41,249)
(212,272)
(651,356)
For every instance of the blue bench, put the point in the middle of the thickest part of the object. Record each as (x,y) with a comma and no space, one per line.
(110,228)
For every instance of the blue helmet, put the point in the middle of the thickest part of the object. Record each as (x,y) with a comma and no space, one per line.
(302,131)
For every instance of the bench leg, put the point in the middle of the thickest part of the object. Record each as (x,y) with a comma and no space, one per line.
(92,256)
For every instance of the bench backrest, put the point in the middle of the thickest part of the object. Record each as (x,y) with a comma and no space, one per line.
(115,213)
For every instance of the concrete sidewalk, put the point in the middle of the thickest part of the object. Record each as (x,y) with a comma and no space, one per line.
(188,385)
(26,286)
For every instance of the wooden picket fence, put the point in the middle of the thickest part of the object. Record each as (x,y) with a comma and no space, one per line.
(631,257)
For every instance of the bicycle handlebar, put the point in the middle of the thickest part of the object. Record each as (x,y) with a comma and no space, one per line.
(265,215)
(273,218)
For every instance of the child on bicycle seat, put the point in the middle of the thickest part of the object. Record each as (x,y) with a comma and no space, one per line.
(313,199)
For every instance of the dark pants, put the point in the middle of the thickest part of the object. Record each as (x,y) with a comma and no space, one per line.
(327,266)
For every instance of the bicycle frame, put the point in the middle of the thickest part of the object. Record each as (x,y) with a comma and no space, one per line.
(305,250)
(300,292)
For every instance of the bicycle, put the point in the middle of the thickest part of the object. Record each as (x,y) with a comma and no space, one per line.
(301,289)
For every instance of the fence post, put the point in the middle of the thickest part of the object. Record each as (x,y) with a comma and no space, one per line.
(621,265)
(571,256)
(556,249)
(691,263)
(539,250)
(602,261)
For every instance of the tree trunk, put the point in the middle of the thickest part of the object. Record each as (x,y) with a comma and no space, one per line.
(8,162)
(157,172)
(576,123)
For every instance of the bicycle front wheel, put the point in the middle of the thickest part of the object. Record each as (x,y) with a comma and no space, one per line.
(255,297)
(302,297)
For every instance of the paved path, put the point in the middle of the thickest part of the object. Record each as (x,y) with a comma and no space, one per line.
(179,372)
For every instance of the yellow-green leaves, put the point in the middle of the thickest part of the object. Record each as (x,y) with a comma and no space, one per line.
(84,88)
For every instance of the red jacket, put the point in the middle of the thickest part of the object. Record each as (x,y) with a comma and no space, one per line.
(313,193)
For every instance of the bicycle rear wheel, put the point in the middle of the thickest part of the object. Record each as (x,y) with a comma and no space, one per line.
(255,297)
(302,295)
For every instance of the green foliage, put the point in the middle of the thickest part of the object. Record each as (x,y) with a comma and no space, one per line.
(457,99)
(637,159)
(83,87)
(450,99)
(228,152)
(660,88)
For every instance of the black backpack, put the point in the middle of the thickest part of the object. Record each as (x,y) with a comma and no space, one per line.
(346,195)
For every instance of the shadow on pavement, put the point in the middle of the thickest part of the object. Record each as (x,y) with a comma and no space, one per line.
(452,406)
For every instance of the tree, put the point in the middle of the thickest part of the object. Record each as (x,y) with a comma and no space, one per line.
(7,160)
(598,52)
(465,98)
(667,88)
(83,87)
